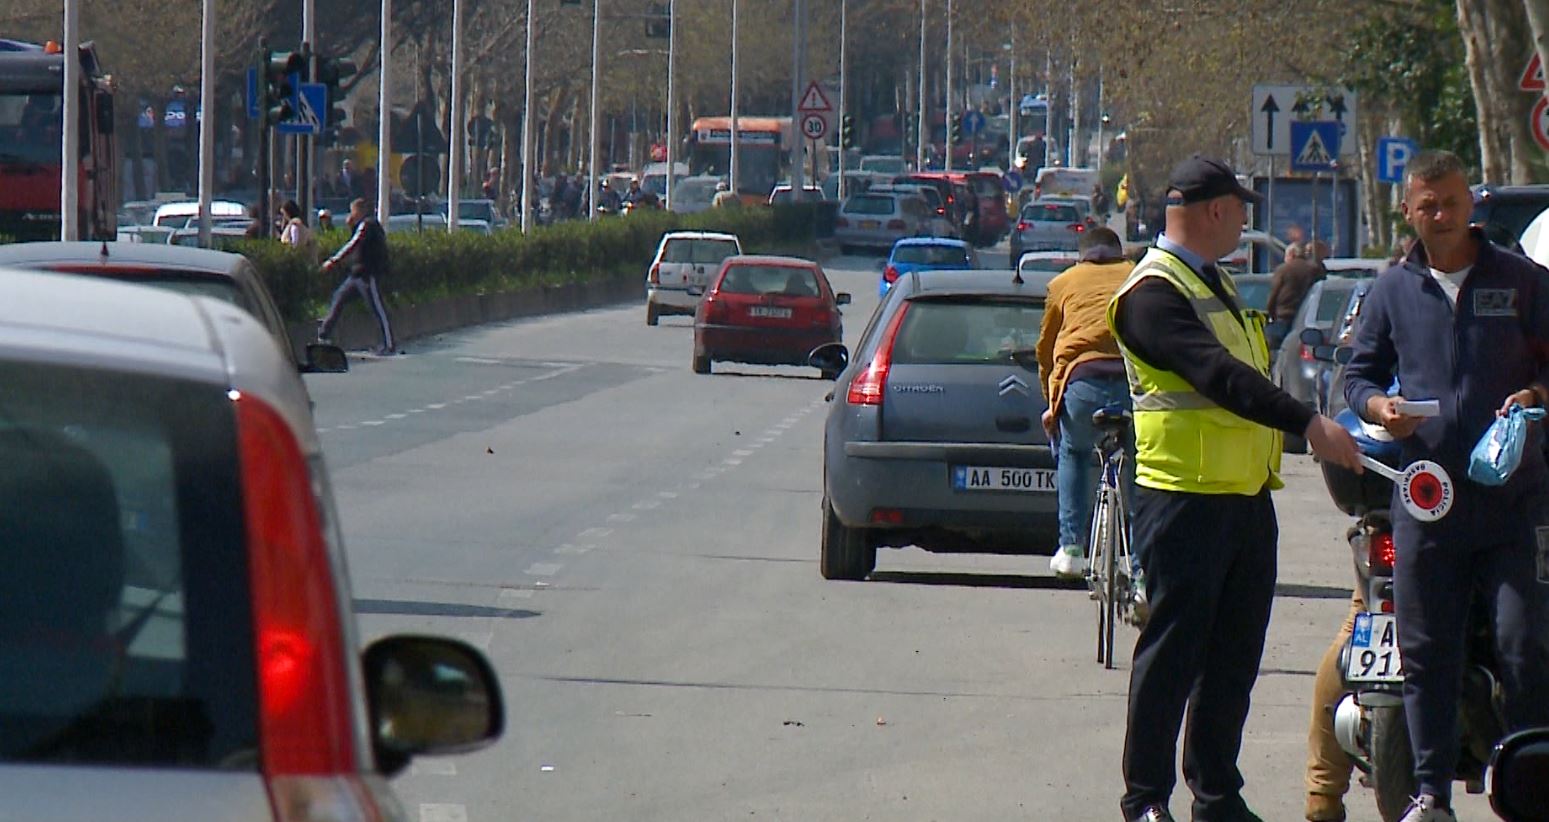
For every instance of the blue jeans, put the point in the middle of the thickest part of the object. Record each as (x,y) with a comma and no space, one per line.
(1077,470)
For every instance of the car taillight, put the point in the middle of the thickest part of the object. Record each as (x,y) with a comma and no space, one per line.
(867,388)
(305,706)
(941,209)
(1380,552)
(1077,227)
(1307,353)
(842,223)
(896,225)
(1022,225)
(890,273)
(656,274)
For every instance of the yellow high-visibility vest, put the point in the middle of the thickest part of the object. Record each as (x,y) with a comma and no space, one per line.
(1185,442)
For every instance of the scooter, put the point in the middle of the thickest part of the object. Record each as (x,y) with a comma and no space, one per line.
(1369,719)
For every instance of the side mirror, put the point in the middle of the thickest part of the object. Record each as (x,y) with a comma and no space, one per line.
(1344,354)
(1323,353)
(1311,337)
(325,359)
(429,695)
(830,358)
(696,291)
(842,298)
(1518,777)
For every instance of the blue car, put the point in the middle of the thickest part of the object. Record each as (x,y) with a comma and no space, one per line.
(925,254)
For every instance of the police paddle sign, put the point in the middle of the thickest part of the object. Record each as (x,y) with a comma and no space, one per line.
(1424,487)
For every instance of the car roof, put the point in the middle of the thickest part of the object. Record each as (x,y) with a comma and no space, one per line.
(699,235)
(975,282)
(32,255)
(770,259)
(66,319)
(941,241)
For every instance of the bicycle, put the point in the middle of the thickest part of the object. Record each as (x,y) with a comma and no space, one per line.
(1111,574)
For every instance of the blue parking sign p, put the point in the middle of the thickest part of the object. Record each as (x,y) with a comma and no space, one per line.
(1393,154)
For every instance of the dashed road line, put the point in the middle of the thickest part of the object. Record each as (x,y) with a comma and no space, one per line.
(646,505)
(621,518)
(594,533)
(543,569)
(373,423)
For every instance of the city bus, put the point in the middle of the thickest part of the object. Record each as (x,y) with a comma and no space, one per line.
(31,116)
(763,156)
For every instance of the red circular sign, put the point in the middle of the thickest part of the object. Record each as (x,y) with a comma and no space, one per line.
(1425,489)
(1540,122)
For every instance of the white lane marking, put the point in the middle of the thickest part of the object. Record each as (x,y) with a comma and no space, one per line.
(323,430)
(732,461)
(436,406)
(507,594)
(742,452)
(594,533)
(646,505)
(395,416)
(559,365)
(344,427)
(543,569)
(472,397)
(573,550)
(479,360)
(432,766)
(621,518)
(445,812)
(492,392)
(416,410)
(667,494)
(372,422)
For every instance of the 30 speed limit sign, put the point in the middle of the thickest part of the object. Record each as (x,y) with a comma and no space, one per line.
(814,126)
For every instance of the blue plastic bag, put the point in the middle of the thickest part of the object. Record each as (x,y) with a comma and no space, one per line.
(1499,451)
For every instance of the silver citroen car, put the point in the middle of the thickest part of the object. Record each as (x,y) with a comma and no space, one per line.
(177,636)
(933,436)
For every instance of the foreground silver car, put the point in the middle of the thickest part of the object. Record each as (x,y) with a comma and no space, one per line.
(177,634)
(933,436)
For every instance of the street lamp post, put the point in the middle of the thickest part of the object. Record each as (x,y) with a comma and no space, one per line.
(70,163)
(1016,104)
(843,43)
(454,158)
(527,170)
(672,133)
(919,136)
(798,35)
(591,159)
(384,160)
(732,164)
(948,141)
(206,120)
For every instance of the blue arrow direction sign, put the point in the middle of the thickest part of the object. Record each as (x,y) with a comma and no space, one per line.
(1314,145)
(1393,155)
(310,102)
(973,123)
(252,94)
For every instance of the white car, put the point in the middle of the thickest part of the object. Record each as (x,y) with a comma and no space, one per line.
(184,213)
(692,195)
(685,260)
(877,220)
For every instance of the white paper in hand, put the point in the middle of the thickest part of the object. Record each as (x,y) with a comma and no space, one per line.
(1419,408)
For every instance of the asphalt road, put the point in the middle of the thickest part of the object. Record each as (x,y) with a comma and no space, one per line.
(635,548)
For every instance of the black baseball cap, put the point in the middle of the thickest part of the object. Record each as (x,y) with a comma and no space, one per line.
(1200,178)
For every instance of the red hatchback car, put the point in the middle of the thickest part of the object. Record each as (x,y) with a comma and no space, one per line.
(768,311)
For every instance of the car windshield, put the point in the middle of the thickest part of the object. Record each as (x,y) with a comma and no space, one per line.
(978,331)
(786,281)
(30,126)
(1051,213)
(684,250)
(869,204)
(1253,294)
(123,606)
(931,255)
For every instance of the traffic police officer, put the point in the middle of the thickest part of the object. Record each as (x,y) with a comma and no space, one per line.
(1207,430)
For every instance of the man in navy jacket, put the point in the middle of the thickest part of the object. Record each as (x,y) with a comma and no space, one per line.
(1465,323)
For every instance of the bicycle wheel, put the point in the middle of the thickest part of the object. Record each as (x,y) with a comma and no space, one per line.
(1109,598)
(1097,543)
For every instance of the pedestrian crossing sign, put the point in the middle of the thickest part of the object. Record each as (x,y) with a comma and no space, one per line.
(1315,145)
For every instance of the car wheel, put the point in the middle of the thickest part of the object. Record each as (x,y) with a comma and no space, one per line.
(651,314)
(847,553)
(701,363)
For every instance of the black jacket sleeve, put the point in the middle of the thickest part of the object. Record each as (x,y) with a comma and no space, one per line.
(1159,326)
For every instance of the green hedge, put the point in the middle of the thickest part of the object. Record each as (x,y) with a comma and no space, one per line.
(438,264)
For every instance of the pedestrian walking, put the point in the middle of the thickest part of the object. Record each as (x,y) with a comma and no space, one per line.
(724,198)
(1288,286)
(366,257)
(295,232)
(1464,322)
(1082,371)
(1208,425)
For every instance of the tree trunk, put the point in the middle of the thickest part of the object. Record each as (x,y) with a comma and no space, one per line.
(1495,45)
(1538,21)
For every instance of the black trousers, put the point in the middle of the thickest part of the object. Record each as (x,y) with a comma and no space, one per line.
(365,288)
(1210,577)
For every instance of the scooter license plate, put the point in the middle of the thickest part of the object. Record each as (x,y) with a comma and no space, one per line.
(1374,655)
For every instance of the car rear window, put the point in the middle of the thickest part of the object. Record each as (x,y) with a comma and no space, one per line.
(973,331)
(1331,304)
(869,204)
(770,279)
(191,283)
(125,628)
(930,255)
(684,250)
(1051,214)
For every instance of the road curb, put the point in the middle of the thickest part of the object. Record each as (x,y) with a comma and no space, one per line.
(358,329)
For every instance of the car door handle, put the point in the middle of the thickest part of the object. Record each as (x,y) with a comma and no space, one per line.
(1014,425)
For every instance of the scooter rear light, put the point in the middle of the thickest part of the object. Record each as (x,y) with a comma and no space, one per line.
(1380,552)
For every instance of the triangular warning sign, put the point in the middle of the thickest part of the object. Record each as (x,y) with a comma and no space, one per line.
(813,99)
(1533,75)
(1314,152)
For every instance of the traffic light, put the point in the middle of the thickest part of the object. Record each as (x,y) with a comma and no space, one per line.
(955,133)
(847,131)
(331,72)
(281,71)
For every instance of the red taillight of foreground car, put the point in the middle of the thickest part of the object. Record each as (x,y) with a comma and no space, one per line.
(306,725)
(867,388)
(890,273)
(1380,553)
(656,275)
(887,516)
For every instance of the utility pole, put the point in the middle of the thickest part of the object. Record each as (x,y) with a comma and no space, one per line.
(527,166)
(843,44)
(454,157)
(947,141)
(70,163)
(919,137)
(672,62)
(591,161)
(206,120)
(1016,103)
(384,160)
(306,160)
(798,35)
(732,163)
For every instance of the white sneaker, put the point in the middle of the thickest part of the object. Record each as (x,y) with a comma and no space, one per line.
(1069,562)
(1425,808)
